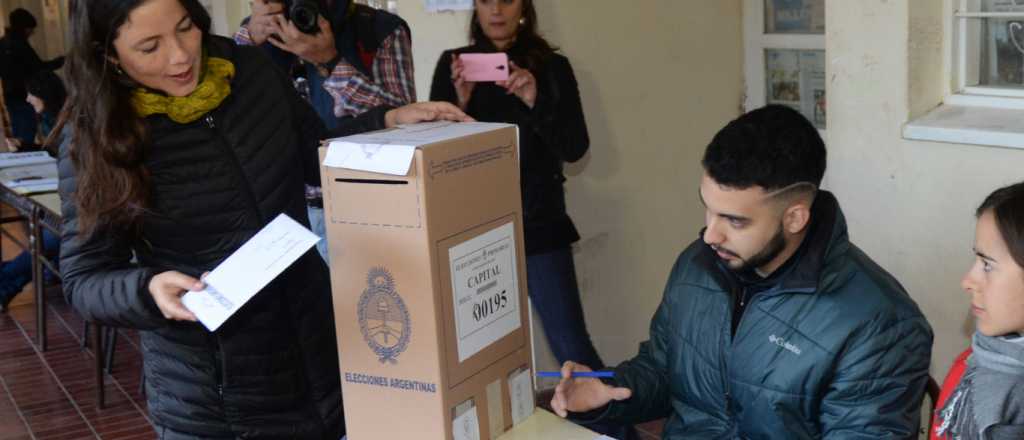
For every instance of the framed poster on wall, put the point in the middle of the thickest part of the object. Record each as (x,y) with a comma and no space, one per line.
(794,16)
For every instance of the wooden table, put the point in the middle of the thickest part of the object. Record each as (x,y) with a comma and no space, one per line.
(545,425)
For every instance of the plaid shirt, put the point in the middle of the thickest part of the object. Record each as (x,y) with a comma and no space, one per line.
(353,92)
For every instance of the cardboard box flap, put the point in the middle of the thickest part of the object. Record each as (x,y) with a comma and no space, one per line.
(391,151)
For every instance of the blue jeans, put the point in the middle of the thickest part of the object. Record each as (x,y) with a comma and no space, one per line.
(317,225)
(23,121)
(15,274)
(551,279)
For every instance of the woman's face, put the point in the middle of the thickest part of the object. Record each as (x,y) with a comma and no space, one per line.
(499,20)
(36,103)
(160,48)
(995,282)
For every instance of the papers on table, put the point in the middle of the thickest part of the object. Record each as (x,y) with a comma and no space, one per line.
(248,270)
(32,178)
(30,158)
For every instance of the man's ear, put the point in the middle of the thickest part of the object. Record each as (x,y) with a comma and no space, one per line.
(797,216)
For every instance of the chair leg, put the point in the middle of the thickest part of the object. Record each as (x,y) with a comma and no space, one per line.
(110,348)
(101,395)
(85,334)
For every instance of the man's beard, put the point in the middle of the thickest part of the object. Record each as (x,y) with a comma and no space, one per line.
(765,256)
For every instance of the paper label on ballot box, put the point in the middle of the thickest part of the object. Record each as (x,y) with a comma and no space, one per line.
(485,286)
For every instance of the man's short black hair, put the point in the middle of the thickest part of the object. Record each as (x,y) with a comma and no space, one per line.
(772,147)
(21,20)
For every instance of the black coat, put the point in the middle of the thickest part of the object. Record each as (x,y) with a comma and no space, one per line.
(550,134)
(272,369)
(18,62)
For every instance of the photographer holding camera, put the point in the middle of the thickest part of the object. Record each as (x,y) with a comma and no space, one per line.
(354,58)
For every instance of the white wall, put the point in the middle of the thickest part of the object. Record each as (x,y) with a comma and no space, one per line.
(909,203)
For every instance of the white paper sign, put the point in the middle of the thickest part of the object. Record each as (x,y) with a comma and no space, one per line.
(466,426)
(448,5)
(248,270)
(378,158)
(521,394)
(485,286)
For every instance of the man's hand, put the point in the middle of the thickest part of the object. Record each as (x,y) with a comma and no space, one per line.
(423,112)
(317,49)
(583,394)
(262,23)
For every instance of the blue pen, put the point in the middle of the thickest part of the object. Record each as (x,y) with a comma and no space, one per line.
(577,374)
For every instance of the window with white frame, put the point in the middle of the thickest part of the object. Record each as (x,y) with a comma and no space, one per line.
(784,59)
(989,52)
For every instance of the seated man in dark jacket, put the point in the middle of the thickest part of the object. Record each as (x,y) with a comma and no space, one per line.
(773,325)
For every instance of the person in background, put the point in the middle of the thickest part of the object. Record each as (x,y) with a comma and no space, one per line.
(542,98)
(46,95)
(359,59)
(180,146)
(18,62)
(983,394)
(773,325)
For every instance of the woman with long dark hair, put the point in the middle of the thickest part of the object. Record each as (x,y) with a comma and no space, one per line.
(983,395)
(541,97)
(179,146)
(45,95)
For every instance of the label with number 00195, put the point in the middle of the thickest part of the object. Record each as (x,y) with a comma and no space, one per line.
(485,289)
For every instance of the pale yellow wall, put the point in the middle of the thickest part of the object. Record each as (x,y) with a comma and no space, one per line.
(432,33)
(236,11)
(909,203)
(48,40)
(657,79)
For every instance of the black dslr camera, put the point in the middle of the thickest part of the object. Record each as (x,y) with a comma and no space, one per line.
(304,14)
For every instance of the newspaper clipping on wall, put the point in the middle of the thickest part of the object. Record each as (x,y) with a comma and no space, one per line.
(796,78)
(794,16)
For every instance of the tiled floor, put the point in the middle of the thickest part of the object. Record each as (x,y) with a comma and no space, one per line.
(52,395)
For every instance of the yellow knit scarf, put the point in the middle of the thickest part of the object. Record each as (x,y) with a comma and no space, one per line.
(214,86)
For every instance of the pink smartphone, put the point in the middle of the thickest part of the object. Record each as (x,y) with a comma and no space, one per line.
(484,67)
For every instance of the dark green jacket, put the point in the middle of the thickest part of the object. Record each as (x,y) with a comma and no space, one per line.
(835,349)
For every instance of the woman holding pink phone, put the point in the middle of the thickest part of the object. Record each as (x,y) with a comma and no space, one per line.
(983,395)
(540,95)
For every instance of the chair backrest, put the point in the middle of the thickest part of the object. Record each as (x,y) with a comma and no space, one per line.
(931,397)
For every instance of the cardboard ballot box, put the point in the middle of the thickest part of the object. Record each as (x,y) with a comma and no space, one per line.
(425,230)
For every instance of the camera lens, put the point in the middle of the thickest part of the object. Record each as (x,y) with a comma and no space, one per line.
(304,16)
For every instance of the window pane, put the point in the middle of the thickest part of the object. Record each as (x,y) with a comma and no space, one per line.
(796,78)
(794,16)
(1002,6)
(1002,52)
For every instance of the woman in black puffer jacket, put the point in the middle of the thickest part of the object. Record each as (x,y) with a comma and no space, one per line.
(180,146)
